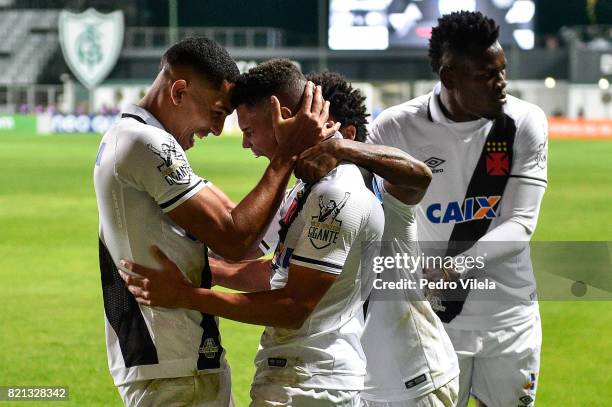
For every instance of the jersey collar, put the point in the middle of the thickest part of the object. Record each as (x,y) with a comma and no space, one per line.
(144,115)
(436,115)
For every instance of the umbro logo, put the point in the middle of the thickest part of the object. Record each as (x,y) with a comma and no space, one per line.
(433,163)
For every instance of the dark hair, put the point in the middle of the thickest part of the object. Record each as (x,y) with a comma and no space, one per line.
(346,103)
(279,77)
(206,56)
(464,32)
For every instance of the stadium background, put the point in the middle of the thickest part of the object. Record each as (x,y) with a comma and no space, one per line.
(51,318)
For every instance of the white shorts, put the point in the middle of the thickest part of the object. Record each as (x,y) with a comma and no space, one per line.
(445,396)
(277,395)
(499,368)
(206,390)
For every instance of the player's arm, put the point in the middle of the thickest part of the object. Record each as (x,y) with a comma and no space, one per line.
(270,238)
(521,207)
(225,200)
(252,273)
(232,234)
(246,275)
(287,307)
(405,177)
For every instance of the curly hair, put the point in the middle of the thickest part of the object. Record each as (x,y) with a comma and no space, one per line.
(279,77)
(464,32)
(206,56)
(346,104)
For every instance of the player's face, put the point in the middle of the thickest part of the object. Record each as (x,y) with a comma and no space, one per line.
(481,84)
(204,111)
(257,132)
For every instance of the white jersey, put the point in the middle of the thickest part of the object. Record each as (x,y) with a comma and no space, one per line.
(340,218)
(407,349)
(141,173)
(465,198)
(270,239)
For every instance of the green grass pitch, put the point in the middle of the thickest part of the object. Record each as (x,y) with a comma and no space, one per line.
(51,315)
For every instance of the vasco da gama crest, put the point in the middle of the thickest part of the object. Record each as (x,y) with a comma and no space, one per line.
(324,227)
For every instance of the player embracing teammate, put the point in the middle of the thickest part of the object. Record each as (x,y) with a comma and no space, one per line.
(489,153)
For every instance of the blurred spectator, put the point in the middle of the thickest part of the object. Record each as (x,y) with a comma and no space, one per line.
(551,42)
(81,108)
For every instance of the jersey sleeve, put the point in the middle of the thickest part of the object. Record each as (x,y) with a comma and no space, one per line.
(400,218)
(385,130)
(333,217)
(531,148)
(155,163)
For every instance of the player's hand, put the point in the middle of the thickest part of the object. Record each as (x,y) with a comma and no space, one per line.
(156,288)
(304,129)
(447,303)
(441,274)
(318,160)
(444,276)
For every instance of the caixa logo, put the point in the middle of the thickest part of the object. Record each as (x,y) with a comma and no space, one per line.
(480,207)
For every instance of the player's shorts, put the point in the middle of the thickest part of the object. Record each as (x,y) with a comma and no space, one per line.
(206,390)
(445,396)
(500,368)
(269,395)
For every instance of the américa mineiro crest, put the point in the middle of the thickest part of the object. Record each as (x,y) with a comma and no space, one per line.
(91,43)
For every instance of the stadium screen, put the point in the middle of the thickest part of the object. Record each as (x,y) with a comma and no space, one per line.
(395,24)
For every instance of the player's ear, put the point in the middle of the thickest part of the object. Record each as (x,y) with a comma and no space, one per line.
(348,132)
(448,69)
(447,77)
(286,112)
(177,91)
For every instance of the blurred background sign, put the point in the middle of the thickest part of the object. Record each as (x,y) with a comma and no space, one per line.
(389,24)
(68,71)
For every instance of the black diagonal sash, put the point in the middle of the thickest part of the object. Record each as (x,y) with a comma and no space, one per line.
(489,179)
(210,346)
(488,183)
(294,209)
(282,255)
